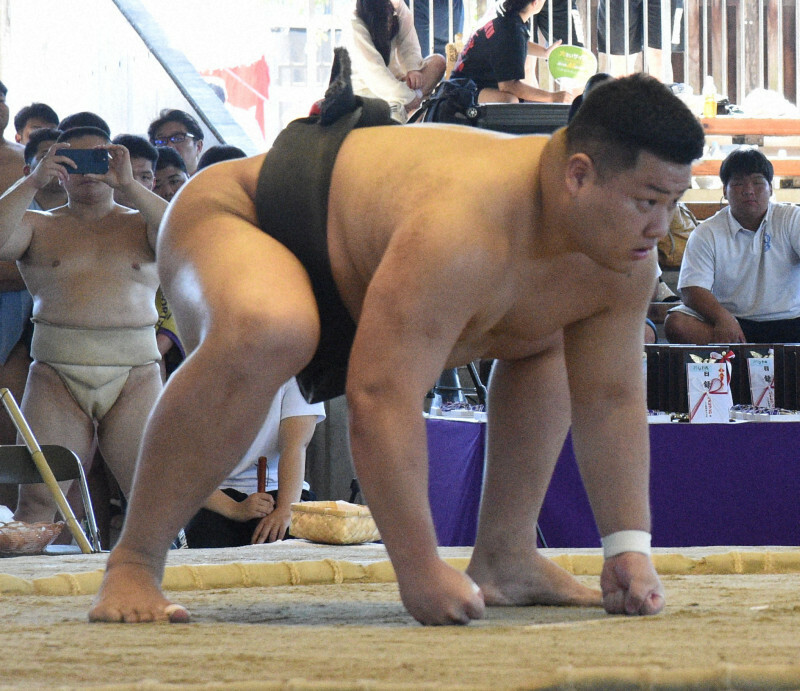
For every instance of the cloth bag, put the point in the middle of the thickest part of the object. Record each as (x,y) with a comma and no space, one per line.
(672,246)
(454,101)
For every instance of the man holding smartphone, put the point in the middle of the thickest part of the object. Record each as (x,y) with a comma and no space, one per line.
(90,266)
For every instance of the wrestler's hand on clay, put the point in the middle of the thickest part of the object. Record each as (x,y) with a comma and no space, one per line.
(52,166)
(631,585)
(257,505)
(272,527)
(440,595)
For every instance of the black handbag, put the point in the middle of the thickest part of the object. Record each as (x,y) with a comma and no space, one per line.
(453,101)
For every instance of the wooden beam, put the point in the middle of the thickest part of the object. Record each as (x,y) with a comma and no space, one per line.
(732,125)
(784,167)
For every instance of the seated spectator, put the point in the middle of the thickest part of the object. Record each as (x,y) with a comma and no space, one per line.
(171,173)
(740,275)
(85,118)
(143,163)
(33,117)
(180,131)
(215,154)
(237,514)
(386,57)
(494,57)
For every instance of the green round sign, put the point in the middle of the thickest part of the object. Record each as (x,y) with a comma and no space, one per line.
(571,66)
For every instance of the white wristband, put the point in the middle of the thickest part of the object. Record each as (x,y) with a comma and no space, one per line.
(626,541)
(418,93)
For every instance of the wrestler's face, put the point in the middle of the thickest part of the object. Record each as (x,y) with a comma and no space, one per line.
(621,216)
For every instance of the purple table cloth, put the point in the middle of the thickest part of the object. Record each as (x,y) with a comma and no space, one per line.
(735,484)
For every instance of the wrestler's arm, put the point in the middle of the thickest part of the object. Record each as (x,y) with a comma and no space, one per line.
(16,222)
(415,308)
(294,436)
(610,436)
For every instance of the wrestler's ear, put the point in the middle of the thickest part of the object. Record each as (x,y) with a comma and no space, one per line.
(579,172)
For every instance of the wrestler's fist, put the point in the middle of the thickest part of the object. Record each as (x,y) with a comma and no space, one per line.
(440,595)
(631,585)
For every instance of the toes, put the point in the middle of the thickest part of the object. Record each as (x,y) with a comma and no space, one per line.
(177,614)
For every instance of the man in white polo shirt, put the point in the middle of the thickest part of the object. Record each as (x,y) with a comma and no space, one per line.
(740,275)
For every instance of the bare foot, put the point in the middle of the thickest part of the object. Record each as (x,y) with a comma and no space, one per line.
(130,593)
(631,585)
(534,580)
(440,595)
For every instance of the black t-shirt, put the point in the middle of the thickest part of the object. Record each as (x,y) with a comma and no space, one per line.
(495,52)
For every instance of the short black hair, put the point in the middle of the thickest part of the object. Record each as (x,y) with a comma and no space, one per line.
(222,152)
(167,156)
(86,131)
(175,115)
(512,6)
(745,162)
(43,134)
(138,147)
(3,89)
(34,110)
(84,119)
(622,117)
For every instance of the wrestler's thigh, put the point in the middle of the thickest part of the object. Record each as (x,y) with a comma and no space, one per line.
(120,431)
(222,275)
(53,415)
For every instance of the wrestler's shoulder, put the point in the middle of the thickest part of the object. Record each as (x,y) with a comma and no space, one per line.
(223,177)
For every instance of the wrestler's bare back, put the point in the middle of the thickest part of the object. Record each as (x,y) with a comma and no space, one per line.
(523,288)
(91,271)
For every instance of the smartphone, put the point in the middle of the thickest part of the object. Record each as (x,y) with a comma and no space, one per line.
(88,160)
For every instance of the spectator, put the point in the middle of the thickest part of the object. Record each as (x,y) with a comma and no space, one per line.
(386,58)
(215,154)
(90,266)
(15,301)
(494,57)
(659,63)
(561,11)
(33,117)
(84,118)
(11,153)
(180,131)
(740,274)
(442,10)
(171,173)
(143,157)
(237,514)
